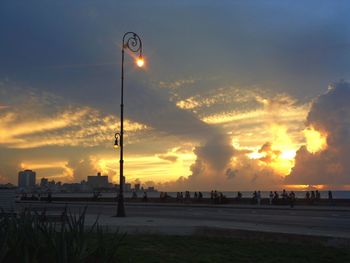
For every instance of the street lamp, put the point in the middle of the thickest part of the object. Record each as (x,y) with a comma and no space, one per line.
(133,43)
(116,142)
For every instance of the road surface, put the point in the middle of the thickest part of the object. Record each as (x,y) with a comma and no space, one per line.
(325,221)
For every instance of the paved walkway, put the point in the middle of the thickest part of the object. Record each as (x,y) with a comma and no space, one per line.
(233,206)
(178,219)
(153,225)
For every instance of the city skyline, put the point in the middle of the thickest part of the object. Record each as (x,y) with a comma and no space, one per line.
(238,100)
(28,183)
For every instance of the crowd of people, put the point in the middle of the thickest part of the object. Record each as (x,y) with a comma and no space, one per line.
(216,197)
(273,198)
(180,197)
(286,198)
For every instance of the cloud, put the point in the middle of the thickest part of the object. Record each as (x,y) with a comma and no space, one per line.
(153,107)
(8,167)
(330,116)
(218,99)
(82,167)
(253,174)
(255,145)
(253,53)
(252,115)
(265,139)
(56,170)
(230,173)
(177,84)
(168,157)
(268,154)
(40,119)
(239,173)
(250,148)
(209,169)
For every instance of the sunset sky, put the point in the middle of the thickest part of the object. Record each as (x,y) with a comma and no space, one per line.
(234,95)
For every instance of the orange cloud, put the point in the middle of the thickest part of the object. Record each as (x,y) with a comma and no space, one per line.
(57,170)
(315,140)
(147,168)
(75,126)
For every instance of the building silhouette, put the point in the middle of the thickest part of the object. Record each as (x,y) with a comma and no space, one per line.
(127,187)
(98,181)
(44,182)
(26,179)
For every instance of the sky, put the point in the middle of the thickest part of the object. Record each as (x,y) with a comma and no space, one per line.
(234,95)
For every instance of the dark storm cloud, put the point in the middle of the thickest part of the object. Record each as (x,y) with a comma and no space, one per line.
(153,108)
(210,167)
(239,41)
(329,114)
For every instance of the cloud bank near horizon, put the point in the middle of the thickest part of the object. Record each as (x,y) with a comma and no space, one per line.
(216,158)
(320,160)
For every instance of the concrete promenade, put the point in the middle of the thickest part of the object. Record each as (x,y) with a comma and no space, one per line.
(329,223)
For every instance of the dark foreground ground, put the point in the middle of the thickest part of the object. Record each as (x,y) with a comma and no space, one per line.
(150,248)
(222,233)
(187,219)
(189,234)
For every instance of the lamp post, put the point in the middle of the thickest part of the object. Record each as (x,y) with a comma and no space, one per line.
(131,42)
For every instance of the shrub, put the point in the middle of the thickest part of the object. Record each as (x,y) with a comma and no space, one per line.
(32,237)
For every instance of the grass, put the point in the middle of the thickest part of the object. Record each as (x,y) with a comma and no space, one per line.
(29,237)
(148,248)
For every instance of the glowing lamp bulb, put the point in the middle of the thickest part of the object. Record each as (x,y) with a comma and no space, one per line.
(140,62)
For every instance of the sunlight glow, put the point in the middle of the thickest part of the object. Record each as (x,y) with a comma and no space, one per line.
(279,153)
(304,187)
(288,154)
(282,166)
(256,155)
(147,168)
(315,141)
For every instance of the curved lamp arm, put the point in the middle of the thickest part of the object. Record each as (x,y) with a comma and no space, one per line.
(133,42)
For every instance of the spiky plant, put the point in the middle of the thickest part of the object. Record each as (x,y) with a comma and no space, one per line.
(31,237)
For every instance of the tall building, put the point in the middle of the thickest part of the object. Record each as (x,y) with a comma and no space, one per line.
(98,181)
(26,179)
